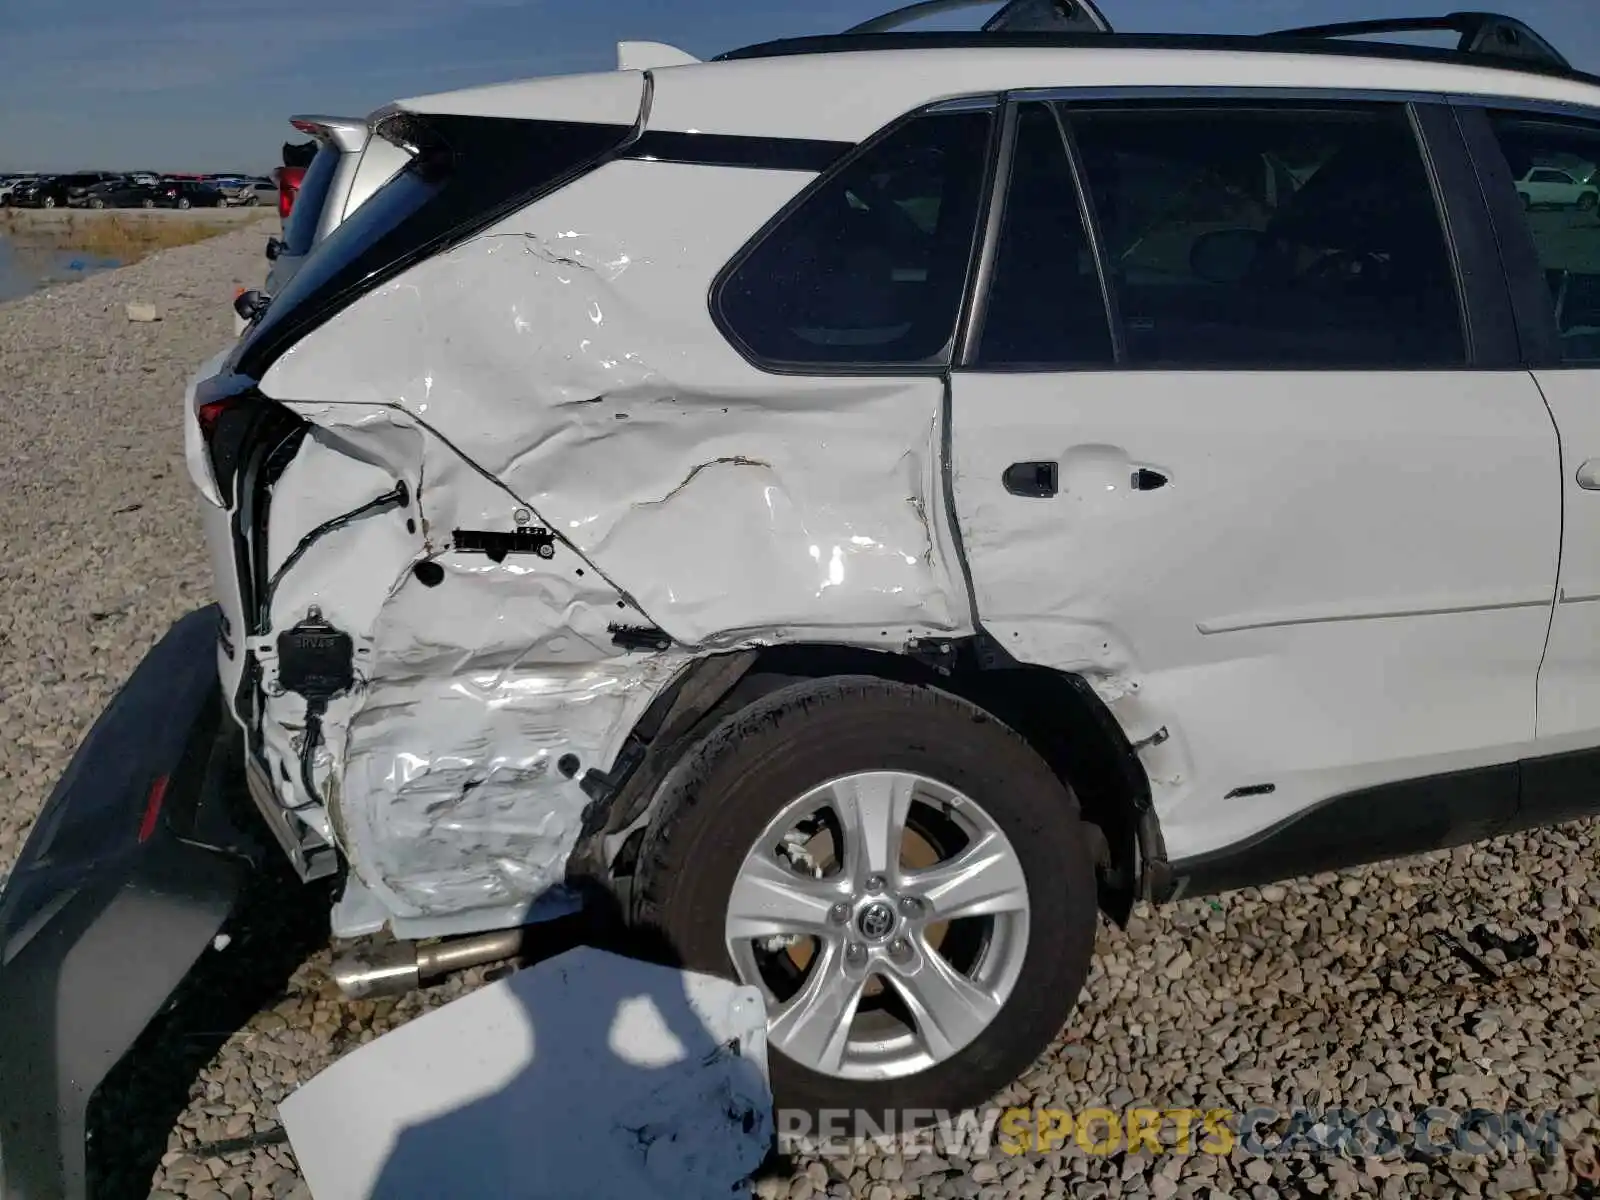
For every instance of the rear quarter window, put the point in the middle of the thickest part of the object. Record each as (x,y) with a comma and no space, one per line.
(869,269)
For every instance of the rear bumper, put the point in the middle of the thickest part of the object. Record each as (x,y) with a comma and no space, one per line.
(114,897)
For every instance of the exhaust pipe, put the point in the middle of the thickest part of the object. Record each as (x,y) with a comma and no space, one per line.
(401,967)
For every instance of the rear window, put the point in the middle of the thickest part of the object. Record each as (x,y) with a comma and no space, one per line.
(465,174)
(870,267)
(300,234)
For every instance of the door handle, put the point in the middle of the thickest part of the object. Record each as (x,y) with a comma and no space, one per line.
(1589,475)
(1031,479)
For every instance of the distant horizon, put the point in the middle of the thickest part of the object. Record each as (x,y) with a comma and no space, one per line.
(84,81)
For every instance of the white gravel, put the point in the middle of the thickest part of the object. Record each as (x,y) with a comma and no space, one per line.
(1323,993)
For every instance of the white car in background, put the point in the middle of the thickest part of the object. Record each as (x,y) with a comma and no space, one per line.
(9,183)
(1558,187)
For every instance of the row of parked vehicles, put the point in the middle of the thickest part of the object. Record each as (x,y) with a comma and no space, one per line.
(140,189)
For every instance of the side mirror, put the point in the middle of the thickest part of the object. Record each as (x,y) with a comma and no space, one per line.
(274,248)
(1226,255)
(250,305)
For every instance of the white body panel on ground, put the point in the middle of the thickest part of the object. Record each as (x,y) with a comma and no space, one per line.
(588,1075)
(1346,580)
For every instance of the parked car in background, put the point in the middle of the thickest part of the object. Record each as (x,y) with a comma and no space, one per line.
(121,193)
(10,183)
(1558,187)
(187,193)
(246,190)
(57,191)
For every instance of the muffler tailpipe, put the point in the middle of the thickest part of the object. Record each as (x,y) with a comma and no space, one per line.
(400,967)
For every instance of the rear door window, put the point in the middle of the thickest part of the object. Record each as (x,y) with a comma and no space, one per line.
(870,268)
(1563,222)
(1270,235)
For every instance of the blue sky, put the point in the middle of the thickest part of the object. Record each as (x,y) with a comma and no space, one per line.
(179,85)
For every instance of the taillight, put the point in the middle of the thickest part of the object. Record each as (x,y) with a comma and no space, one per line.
(288,188)
(224,427)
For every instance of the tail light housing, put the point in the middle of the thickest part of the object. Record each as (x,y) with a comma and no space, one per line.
(288,181)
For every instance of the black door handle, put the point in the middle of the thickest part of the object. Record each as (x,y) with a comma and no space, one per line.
(1031,479)
(1146,480)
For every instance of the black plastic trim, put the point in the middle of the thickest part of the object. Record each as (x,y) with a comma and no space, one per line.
(845,43)
(98,927)
(1393,820)
(1367,826)
(730,150)
(1538,336)
(1489,322)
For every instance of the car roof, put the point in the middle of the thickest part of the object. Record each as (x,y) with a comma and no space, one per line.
(840,90)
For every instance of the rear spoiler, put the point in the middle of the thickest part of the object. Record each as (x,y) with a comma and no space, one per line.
(347,133)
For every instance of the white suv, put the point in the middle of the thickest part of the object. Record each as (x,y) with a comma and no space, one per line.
(1558,187)
(873,503)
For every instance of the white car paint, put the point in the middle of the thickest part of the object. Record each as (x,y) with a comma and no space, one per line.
(643,1082)
(564,373)
(1349,581)
(849,95)
(1313,600)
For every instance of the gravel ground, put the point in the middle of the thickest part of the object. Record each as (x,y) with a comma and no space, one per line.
(1355,990)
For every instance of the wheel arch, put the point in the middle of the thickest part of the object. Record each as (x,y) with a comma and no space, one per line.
(1057,713)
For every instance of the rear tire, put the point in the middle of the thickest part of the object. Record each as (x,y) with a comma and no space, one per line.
(48,202)
(1586,201)
(147,203)
(183,202)
(716,813)
(97,203)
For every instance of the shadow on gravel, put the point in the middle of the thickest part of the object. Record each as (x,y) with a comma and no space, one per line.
(277,925)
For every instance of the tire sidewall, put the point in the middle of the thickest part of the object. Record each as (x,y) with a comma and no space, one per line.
(737,782)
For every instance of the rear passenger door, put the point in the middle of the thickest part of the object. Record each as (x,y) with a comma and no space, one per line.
(1557,253)
(1227,439)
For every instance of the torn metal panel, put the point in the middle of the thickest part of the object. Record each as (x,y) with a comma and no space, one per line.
(485,685)
(588,1075)
(583,372)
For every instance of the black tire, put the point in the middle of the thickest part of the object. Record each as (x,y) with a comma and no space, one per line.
(1527,201)
(1587,201)
(183,202)
(48,202)
(718,799)
(147,202)
(97,203)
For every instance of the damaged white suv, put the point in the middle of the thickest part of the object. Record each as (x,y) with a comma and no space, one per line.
(875,502)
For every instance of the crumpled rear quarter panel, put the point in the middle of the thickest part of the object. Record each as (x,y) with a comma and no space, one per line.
(566,363)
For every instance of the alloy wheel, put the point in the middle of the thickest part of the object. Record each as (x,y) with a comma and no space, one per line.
(873,967)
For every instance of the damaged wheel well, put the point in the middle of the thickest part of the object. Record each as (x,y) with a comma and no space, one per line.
(1058,714)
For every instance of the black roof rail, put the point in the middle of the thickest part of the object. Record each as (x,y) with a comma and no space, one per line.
(1017,16)
(1482,35)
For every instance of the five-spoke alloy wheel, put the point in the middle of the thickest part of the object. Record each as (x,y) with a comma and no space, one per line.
(902,877)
